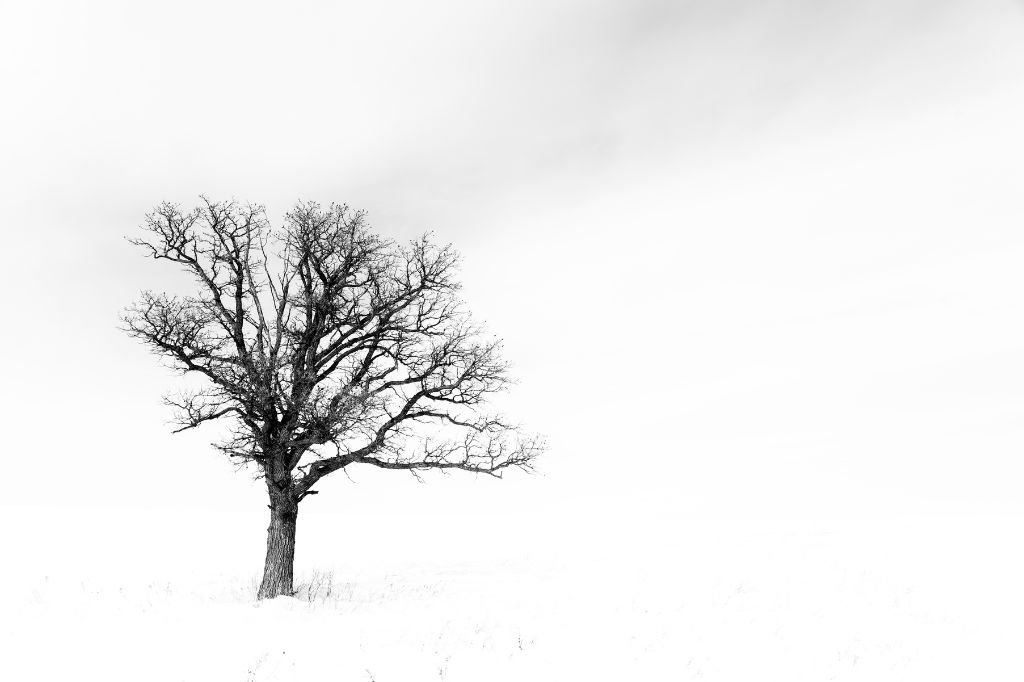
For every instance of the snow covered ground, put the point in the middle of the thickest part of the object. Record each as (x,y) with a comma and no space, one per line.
(923,599)
(758,267)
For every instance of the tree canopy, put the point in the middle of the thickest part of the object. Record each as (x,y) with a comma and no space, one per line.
(322,333)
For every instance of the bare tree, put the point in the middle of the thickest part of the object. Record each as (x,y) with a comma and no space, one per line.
(324,345)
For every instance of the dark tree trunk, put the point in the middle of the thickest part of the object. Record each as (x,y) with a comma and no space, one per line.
(278,570)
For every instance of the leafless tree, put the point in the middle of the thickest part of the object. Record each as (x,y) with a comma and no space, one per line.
(324,345)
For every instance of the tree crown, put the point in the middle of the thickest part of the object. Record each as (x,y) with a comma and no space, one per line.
(325,344)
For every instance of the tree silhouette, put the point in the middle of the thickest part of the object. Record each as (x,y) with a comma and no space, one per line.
(324,345)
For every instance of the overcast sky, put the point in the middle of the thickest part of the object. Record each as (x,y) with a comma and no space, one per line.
(750,257)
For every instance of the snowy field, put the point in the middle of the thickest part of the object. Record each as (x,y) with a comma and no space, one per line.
(917,599)
(757,266)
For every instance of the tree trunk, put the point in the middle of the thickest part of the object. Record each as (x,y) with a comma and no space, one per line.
(278,570)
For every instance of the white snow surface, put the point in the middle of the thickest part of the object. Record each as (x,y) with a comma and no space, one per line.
(914,598)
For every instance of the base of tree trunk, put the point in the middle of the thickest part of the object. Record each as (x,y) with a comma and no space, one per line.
(278,570)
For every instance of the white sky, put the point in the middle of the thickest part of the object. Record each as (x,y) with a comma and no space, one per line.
(751,258)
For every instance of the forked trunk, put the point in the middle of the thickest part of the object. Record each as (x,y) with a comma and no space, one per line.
(278,570)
